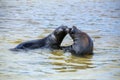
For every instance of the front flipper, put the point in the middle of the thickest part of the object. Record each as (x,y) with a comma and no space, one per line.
(22,46)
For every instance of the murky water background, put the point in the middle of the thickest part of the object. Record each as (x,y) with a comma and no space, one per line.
(22,20)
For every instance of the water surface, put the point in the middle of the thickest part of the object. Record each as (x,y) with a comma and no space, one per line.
(22,20)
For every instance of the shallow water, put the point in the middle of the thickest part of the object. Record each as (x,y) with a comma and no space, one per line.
(22,20)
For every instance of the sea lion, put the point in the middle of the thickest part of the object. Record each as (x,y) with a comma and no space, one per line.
(52,41)
(82,43)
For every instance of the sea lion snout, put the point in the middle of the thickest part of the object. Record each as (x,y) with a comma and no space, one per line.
(71,31)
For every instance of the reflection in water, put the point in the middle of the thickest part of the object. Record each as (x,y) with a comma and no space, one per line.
(69,63)
(22,20)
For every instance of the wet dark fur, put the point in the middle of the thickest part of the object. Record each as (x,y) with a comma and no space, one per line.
(83,44)
(52,41)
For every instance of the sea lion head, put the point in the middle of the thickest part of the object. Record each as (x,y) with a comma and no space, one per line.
(60,33)
(74,32)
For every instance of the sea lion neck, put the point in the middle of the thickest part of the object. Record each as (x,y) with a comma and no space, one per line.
(60,37)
